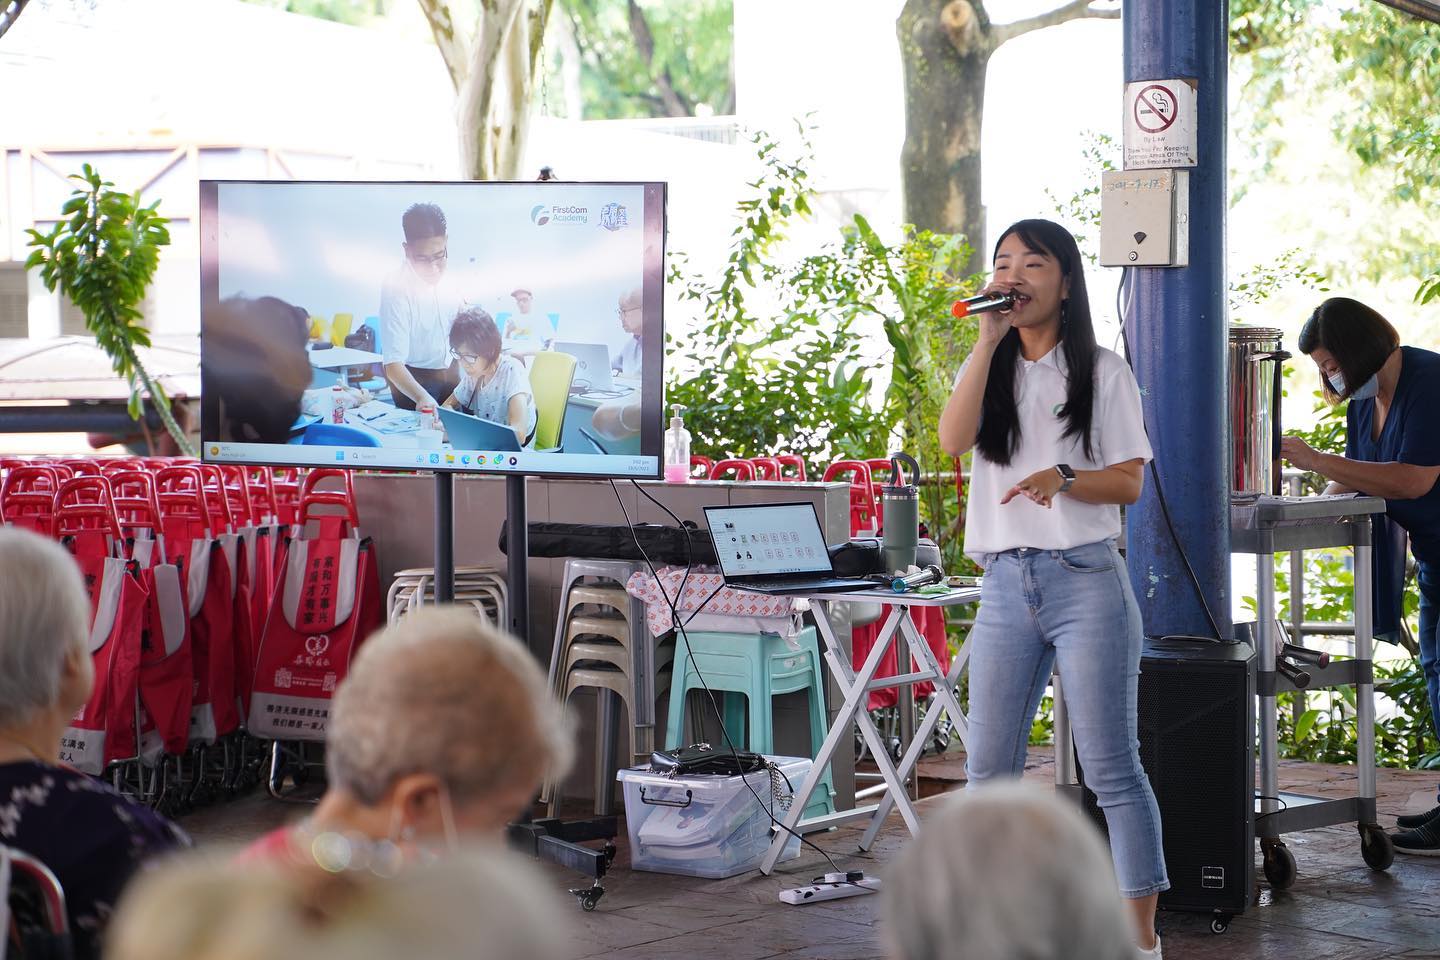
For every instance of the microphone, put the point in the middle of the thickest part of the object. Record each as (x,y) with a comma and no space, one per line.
(931,574)
(984,303)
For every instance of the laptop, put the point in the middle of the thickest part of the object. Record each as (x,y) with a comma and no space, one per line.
(775,548)
(472,433)
(592,366)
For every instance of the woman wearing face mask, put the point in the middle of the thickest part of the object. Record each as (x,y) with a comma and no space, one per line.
(443,729)
(1392,450)
(1059,444)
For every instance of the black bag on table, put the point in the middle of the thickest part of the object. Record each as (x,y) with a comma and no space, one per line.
(664,545)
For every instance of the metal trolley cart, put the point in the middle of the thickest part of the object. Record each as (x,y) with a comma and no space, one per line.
(1263,528)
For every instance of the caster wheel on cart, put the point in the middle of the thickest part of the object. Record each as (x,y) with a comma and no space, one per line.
(1376,847)
(1279,865)
(589,897)
(1219,924)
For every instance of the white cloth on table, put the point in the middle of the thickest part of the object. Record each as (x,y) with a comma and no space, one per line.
(729,610)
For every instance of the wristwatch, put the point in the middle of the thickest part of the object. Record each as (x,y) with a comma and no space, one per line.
(1068,474)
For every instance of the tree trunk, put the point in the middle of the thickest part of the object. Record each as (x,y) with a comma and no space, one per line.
(945,49)
(495,97)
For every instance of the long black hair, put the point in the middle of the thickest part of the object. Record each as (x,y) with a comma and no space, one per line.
(999,435)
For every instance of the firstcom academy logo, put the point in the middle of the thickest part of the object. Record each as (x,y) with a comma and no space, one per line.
(541,214)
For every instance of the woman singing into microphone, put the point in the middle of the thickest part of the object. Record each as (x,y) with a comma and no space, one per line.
(1059,445)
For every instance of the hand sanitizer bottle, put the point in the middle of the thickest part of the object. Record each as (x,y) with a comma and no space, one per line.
(677,449)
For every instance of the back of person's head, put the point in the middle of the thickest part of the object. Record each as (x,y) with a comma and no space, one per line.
(1356,336)
(474,330)
(44,619)
(422,221)
(1006,872)
(443,694)
(254,369)
(489,906)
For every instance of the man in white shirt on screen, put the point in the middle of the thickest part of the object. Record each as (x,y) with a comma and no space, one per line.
(418,302)
(626,362)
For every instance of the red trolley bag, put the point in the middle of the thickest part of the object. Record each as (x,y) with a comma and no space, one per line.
(247,571)
(27,497)
(327,604)
(191,544)
(167,676)
(104,730)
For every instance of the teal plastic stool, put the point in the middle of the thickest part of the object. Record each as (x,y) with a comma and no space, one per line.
(757,666)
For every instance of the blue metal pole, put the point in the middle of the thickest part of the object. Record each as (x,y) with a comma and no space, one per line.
(1178,337)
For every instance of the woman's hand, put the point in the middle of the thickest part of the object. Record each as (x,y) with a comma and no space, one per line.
(1041,487)
(1301,455)
(995,324)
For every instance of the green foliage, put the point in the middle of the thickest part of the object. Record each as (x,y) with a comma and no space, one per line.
(1395,58)
(102,255)
(1081,211)
(1263,281)
(1429,290)
(674,60)
(783,358)
(1326,731)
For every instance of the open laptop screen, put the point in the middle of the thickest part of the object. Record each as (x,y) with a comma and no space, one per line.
(769,540)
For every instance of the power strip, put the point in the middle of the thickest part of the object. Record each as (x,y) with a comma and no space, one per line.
(834,887)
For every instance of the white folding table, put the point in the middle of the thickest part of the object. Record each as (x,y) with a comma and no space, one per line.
(855,688)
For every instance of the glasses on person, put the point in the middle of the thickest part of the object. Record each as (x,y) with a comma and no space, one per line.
(622,311)
(470,358)
(430,260)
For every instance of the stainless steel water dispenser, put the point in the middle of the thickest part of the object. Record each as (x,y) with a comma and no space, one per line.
(1255,386)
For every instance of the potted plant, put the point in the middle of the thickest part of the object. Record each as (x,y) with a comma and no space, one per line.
(102,254)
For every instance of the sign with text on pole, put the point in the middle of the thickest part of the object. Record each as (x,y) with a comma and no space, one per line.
(1160,124)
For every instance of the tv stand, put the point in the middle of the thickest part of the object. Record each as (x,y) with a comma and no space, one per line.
(549,839)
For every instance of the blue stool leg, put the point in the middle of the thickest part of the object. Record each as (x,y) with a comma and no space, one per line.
(733,709)
(679,679)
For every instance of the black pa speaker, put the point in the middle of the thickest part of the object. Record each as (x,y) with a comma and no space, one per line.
(1197,744)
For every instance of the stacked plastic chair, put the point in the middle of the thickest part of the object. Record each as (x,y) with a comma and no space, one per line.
(598,632)
(328,601)
(482,588)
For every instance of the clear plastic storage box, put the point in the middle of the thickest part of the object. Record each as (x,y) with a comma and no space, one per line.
(705,826)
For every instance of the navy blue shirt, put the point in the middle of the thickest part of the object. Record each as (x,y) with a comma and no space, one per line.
(1411,434)
(92,838)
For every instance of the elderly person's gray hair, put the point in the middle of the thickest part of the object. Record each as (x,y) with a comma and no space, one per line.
(44,615)
(485,903)
(1006,872)
(445,693)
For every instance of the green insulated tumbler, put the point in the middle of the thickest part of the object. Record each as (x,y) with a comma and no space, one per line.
(902,515)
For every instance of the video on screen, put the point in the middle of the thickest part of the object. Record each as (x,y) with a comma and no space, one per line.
(508,327)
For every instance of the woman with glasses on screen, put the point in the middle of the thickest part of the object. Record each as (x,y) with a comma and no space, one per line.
(493,385)
(417,303)
(1035,396)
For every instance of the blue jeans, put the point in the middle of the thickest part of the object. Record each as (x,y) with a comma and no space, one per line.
(1075,605)
(1428,639)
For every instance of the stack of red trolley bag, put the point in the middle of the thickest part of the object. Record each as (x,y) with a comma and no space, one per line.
(226,605)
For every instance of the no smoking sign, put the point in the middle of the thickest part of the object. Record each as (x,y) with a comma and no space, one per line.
(1160,128)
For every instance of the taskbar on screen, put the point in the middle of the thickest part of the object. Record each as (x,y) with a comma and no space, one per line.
(411,458)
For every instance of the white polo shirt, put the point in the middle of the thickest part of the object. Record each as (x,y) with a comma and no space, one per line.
(1117,435)
(415,319)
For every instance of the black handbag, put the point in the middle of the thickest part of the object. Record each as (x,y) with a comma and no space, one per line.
(704,760)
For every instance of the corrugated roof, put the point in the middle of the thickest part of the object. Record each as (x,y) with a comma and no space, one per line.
(74,368)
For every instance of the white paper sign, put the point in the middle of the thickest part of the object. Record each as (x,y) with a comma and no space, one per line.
(1160,124)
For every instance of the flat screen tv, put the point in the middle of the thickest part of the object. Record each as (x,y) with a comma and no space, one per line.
(473,327)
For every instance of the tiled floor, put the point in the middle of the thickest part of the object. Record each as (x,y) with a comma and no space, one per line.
(1337,910)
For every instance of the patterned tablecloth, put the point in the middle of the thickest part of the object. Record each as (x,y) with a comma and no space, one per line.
(727,609)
